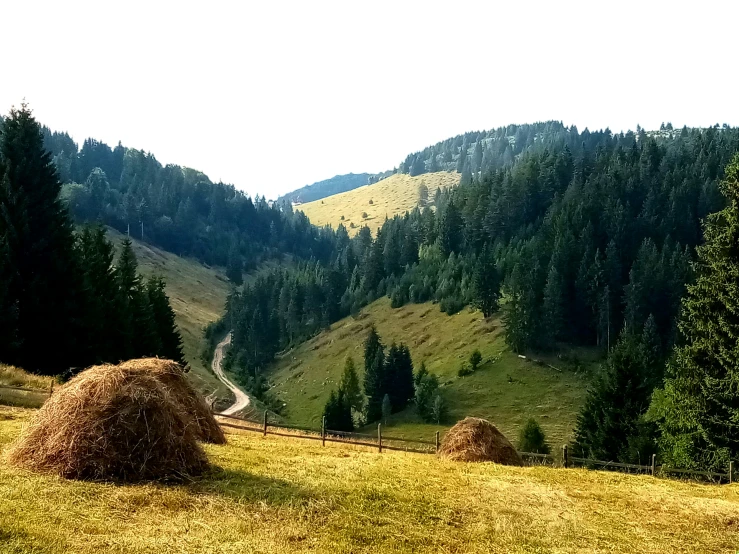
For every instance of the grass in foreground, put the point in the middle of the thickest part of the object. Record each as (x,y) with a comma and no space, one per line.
(279,495)
(506,391)
(391,196)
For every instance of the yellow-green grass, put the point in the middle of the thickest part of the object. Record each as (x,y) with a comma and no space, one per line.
(505,389)
(278,495)
(11,376)
(197,294)
(391,196)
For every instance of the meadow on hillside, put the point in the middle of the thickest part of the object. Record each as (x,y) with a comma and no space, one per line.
(391,196)
(505,389)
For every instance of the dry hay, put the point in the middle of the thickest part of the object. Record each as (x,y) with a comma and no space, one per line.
(171,375)
(125,422)
(477,440)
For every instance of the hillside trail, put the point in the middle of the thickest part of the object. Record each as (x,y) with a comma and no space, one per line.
(242,399)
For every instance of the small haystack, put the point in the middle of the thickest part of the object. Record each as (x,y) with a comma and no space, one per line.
(477,440)
(172,376)
(114,422)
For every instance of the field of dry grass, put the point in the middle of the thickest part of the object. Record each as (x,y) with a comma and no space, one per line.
(506,389)
(392,196)
(278,495)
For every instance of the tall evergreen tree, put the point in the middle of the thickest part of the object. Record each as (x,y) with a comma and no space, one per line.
(164,321)
(374,374)
(698,410)
(40,272)
(486,283)
(350,385)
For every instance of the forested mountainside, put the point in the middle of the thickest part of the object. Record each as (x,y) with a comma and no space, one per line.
(178,208)
(327,187)
(584,237)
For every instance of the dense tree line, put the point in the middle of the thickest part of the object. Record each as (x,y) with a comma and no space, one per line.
(581,238)
(64,304)
(178,208)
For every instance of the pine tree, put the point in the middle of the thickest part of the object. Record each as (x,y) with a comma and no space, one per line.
(138,332)
(39,270)
(164,320)
(350,385)
(486,283)
(698,410)
(374,374)
(338,412)
(553,309)
(386,408)
(450,229)
(101,321)
(620,394)
(532,438)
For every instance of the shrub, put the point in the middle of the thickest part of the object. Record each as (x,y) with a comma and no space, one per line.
(364,215)
(465,370)
(370,202)
(438,409)
(532,438)
(342,218)
(475,360)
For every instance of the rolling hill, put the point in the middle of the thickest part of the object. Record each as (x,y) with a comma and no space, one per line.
(391,196)
(197,294)
(282,495)
(327,187)
(506,389)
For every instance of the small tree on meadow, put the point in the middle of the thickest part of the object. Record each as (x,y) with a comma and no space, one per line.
(387,408)
(532,438)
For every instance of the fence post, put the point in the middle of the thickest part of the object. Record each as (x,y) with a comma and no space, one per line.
(731,472)
(437,442)
(323,432)
(654,463)
(379,436)
(265,423)
(564,456)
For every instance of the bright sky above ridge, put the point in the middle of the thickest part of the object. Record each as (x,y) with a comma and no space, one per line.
(271,96)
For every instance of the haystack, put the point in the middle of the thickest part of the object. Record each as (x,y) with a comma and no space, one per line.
(172,376)
(478,440)
(113,422)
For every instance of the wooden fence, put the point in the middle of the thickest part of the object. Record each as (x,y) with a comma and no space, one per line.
(384,442)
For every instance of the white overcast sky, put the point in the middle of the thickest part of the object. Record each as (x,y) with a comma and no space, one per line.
(273,95)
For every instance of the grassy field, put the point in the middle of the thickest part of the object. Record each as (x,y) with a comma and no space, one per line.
(506,389)
(278,495)
(11,376)
(198,296)
(393,195)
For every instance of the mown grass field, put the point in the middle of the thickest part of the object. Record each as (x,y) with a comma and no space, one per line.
(391,196)
(198,296)
(505,389)
(11,376)
(279,495)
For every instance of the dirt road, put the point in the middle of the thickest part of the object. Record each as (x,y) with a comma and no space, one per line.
(242,399)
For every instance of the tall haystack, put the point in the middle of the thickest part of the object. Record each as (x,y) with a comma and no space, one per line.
(112,422)
(477,440)
(172,376)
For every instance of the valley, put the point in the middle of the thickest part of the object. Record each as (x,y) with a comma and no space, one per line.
(506,389)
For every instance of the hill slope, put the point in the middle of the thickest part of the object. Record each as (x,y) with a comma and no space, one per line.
(197,294)
(507,391)
(391,196)
(282,495)
(327,187)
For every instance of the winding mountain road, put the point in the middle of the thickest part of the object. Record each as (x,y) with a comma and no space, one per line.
(242,399)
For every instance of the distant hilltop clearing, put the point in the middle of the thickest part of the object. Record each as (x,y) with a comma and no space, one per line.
(329,187)
(371,204)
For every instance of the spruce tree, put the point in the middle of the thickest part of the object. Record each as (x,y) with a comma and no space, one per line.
(553,309)
(164,320)
(40,273)
(618,397)
(698,410)
(374,375)
(101,321)
(486,283)
(350,385)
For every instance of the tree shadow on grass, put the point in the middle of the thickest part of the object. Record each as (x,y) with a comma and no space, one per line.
(250,488)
